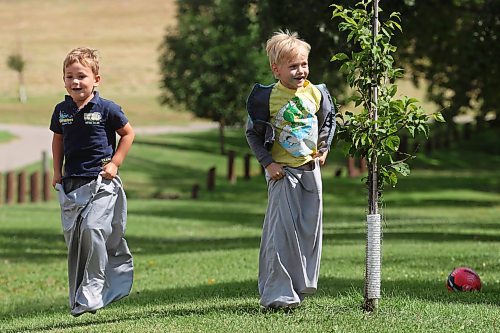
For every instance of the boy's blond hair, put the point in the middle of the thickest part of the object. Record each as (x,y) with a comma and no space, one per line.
(284,45)
(85,56)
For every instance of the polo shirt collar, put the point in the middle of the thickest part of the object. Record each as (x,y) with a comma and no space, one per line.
(94,100)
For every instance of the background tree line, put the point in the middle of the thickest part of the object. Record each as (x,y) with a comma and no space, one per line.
(214,56)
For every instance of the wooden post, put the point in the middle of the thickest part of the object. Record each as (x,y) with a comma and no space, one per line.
(21,187)
(35,187)
(195,191)
(231,175)
(352,170)
(247,166)
(338,172)
(45,162)
(1,189)
(211,179)
(9,188)
(46,186)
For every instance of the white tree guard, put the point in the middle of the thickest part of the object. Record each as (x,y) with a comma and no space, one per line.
(373,256)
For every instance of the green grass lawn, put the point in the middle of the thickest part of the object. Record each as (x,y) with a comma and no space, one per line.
(196,260)
(6,136)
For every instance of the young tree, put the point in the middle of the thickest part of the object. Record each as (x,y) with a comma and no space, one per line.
(212,59)
(17,63)
(375,131)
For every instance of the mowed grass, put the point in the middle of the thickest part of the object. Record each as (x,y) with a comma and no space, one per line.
(196,260)
(127,35)
(6,136)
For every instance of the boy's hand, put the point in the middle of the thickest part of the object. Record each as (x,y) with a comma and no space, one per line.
(109,171)
(56,179)
(321,156)
(275,171)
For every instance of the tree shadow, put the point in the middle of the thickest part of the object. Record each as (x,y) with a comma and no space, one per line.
(201,211)
(38,245)
(346,237)
(186,301)
(42,244)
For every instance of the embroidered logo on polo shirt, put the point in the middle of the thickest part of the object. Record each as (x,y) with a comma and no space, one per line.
(92,118)
(65,119)
(105,161)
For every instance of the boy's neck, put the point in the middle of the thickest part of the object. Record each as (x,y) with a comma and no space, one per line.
(295,89)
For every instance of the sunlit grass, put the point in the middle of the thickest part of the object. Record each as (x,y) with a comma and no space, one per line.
(6,136)
(196,260)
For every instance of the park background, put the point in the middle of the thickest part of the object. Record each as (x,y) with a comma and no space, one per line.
(196,259)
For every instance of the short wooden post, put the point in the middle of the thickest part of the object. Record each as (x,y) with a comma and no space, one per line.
(231,175)
(35,187)
(338,172)
(21,187)
(195,191)
(211,179)
(247,166)
(9,188)
(46,186)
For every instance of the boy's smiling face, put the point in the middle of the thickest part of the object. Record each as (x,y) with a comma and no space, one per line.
(293,71)
(80,81)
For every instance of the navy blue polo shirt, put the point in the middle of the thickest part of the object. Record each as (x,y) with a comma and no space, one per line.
(89,134)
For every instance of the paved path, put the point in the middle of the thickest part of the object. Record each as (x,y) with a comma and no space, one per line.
(32,141)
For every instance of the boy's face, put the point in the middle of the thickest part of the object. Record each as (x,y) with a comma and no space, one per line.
(292,72)
(80,82)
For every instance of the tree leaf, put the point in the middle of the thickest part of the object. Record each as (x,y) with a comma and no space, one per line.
(339,56)
(402,168)
(439,117)
(392,142)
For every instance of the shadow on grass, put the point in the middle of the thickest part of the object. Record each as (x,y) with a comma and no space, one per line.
(204,211)
(175,302)
(39,244)
(206,141)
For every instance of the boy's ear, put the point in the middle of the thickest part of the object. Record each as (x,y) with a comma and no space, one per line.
(274,68)
(97,80)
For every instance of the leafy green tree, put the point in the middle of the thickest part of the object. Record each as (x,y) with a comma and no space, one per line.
(17,63)
(210,61)
(312,20)
(374,132)
(454,45)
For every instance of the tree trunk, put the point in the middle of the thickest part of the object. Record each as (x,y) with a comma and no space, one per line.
(23,97)
(222,141)
(373,230)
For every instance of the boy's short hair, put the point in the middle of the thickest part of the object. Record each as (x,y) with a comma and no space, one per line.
(284,45)
(85,56)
